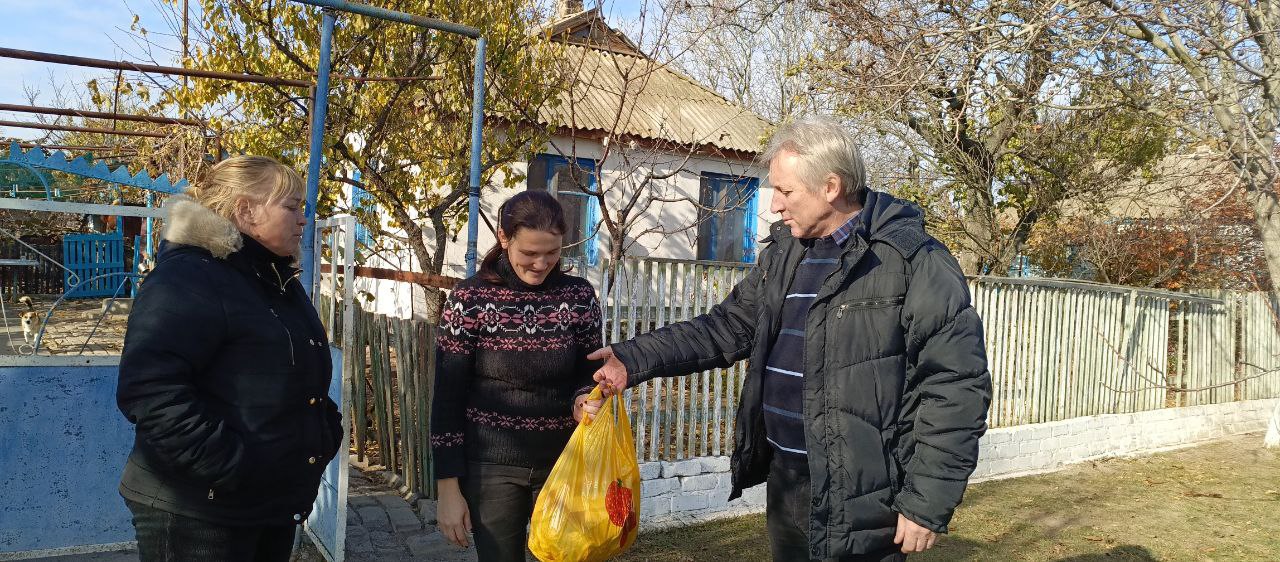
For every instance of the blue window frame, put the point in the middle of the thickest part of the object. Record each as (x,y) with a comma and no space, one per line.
(727,219)
(553,173)
(360,199)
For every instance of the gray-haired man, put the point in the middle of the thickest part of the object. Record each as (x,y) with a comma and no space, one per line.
(867,387)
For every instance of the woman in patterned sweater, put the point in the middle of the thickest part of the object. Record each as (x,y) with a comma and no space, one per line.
(512,379)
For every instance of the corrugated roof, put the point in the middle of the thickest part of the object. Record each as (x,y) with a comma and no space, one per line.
(1197,175)
(625,95)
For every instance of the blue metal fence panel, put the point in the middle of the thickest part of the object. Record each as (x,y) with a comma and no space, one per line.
(64,448)
(91,255)
(327,524)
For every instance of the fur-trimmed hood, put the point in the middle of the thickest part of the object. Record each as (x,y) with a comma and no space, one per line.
(188,222)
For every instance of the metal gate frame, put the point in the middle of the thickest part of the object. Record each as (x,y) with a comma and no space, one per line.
(327,524)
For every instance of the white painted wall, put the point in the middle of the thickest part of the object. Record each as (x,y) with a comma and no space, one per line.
(659,233)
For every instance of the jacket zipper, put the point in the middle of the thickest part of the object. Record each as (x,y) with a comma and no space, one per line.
(868,304)
(288,333)
(279,280)
(211,493)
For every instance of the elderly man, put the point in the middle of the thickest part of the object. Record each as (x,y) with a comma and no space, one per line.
(867,387)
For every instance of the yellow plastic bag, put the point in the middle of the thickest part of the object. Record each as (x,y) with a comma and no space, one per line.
(589,509)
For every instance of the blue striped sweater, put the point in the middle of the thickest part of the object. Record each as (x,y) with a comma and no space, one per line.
(784,369)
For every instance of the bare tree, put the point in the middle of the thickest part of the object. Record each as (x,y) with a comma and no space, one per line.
(1002,129)
(756,53)
(1221,59)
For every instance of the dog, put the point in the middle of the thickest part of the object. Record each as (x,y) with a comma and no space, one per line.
(32,321)
(142,269)
(145,265)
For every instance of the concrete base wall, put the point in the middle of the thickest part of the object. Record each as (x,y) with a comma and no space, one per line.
(1042,447)
(697,490)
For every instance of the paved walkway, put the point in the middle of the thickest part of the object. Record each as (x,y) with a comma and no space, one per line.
(382,526)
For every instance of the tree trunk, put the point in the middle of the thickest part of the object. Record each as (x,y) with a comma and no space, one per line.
(981,235)
(426,260)
(1272,438)
(1266,211)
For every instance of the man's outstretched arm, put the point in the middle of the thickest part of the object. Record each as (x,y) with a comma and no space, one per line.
(718,338)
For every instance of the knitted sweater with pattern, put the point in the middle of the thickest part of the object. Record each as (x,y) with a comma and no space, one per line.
(511,358)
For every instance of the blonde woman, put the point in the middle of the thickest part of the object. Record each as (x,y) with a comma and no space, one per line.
(225,374)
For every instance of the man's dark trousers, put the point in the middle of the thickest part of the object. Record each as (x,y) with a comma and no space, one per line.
(788,517)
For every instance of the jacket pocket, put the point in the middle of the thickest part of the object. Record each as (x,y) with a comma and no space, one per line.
(861,330)
(269,457)
(851,306)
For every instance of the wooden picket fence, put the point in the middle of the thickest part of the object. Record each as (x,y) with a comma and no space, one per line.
(391,402)
(1056,350)
(685,416)
(1259,347)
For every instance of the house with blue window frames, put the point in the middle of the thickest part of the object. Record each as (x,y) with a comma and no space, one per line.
(636,130)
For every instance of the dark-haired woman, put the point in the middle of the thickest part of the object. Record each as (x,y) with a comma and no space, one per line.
(512,379)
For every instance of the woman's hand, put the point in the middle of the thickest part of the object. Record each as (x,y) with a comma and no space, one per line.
(583,406)
(452,515)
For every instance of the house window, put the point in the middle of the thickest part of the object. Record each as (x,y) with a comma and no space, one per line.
(727,219)
(570,180)
(361,199)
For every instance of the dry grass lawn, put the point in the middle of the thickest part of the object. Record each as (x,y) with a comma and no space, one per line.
(1218,501)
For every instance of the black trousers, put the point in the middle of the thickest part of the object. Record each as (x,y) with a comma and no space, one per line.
(168,537)
(500,499)
(787,518)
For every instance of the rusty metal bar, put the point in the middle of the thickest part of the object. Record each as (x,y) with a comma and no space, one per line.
(24,125)
(138,67)
(100,115)
(425,279)
(237,77)
(75,147)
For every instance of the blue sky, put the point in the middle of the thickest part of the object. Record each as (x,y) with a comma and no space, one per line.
(93,28)
(97,29)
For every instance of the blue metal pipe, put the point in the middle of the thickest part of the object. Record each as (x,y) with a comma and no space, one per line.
(318,115)
(150,252)
(381,13)
(477,123)
(319,112)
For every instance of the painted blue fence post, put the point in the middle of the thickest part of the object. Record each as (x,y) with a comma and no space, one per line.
(593,218)
(319,111)
(751,220)
(137,252)
(150,252)
(477,122)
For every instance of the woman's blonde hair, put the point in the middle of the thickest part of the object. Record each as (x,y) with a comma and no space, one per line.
(259,179)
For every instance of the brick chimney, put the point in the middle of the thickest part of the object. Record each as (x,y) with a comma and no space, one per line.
(567,7)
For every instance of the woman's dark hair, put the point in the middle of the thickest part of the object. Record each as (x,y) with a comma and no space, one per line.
(534,210)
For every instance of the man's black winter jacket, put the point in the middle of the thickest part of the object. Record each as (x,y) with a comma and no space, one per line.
(896,383)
